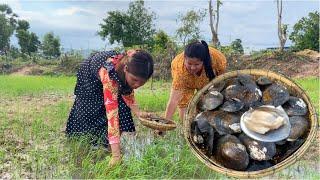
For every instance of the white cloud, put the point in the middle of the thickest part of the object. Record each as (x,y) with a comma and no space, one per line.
(70,11)
(240,7)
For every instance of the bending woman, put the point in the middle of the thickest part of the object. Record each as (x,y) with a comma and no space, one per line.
(105,97)
(191,71)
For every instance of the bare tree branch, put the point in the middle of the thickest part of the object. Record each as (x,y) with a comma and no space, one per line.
(214,21)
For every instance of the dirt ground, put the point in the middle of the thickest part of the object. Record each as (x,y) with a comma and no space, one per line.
(295,65)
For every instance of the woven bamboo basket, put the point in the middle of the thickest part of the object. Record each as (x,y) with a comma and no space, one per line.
(158,126)
(293,89)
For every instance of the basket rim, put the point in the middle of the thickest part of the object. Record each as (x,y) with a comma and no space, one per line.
(313,119)
(156,125)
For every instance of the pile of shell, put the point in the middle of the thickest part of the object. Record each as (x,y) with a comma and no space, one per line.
(216,129)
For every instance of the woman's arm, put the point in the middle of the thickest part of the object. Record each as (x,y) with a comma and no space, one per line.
(175,97)
(131,102)
(110,94)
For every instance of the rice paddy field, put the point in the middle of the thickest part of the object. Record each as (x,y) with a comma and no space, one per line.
(33,115)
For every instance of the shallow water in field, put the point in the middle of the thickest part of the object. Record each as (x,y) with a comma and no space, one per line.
(133,144)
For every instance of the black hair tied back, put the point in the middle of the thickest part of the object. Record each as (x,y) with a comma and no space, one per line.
(141,64)
(207,61)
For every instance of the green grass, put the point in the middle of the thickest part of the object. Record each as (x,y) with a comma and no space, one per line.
(311,85)
(33,144)
(35,85)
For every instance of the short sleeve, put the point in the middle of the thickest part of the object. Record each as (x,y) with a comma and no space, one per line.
(219,61)
(177,73)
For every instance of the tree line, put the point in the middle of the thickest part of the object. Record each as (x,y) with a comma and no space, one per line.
(135,27)
(28,41)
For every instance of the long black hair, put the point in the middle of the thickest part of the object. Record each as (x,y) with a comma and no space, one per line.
(200,50)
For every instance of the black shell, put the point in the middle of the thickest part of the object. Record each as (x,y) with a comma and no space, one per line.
(299,126)
(282,142)
(231,153)
(245,79)
(232,81)
(224,122)
(275,95)
(202,131)
(234,91)
(258,150)
(295,107)
(249,94)
(232,105)
(263,81)
(217,87)
(210,101)
(285,150)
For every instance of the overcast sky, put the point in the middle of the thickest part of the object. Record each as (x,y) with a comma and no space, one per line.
(77,22)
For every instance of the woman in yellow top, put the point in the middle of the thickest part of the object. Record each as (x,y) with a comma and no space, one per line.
(191,71)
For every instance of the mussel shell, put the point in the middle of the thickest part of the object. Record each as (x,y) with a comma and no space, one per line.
(258,150)
(201,123)
(251,95)
(234,91)
(280,143)
(202,131)
(217,87)
(285,150)
(224,122)
(231,153)
(232,105)
(263,81)
(259,165)
(299,126)
(211,100)
(232,81)
(295,107)
(275,95)
(245,79)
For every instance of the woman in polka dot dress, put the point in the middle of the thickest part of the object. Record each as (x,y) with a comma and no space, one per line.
(105,97)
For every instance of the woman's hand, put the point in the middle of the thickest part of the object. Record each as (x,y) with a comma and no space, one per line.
(114,161)
(116,155)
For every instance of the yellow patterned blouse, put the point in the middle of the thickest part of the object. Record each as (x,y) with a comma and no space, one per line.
(188,83)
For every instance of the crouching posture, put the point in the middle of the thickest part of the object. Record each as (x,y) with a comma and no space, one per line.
(105,97)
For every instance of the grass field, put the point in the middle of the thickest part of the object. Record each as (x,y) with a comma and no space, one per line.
(33,114)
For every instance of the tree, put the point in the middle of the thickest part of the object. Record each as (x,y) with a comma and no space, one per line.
(7,26)
(305,33)
(189,30)
(51,45)
(23,25)
(34,43)
(282,28)
(161,41)
(214,19)
(236,46)
(133,27)
(28,41)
